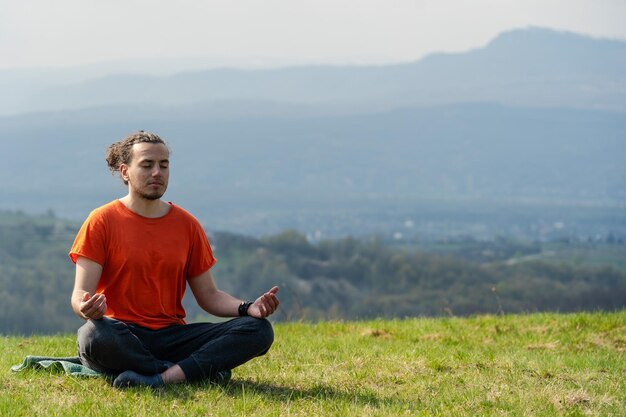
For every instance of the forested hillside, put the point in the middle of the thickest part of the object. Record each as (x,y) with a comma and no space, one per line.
(35,274)
(345,278)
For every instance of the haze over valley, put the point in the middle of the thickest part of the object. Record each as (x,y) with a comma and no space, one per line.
(525,136)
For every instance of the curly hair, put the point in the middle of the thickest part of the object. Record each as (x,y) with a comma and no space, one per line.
(121,152)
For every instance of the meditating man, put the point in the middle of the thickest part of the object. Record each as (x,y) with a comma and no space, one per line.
(134,257)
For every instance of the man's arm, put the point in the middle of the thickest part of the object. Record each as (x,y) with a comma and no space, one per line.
(85,303)
(222,304)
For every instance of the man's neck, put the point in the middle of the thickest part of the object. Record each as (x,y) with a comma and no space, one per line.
(144,207)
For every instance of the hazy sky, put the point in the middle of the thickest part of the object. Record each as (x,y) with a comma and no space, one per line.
(35,33)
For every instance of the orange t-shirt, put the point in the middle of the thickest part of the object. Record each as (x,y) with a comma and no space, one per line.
(145,262)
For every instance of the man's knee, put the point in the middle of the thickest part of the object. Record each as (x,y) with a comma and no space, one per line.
(262,330)
(97,338)
(267,331)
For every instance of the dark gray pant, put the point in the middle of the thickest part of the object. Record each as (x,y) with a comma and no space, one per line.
(200,349)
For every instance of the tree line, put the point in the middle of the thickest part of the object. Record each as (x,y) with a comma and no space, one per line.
(336,279)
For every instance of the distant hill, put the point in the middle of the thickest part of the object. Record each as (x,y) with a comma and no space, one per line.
(530,67)
(535,116)
(471,151)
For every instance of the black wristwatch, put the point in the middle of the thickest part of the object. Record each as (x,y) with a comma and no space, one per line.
(243,308)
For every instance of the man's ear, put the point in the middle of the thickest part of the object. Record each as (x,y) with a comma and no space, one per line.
(124,171)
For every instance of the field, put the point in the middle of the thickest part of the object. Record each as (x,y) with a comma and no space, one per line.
(519,365)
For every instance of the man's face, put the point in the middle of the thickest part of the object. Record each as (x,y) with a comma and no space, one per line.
(148,172)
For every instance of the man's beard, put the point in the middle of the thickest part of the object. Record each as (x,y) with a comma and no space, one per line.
(151,197)
(155,195)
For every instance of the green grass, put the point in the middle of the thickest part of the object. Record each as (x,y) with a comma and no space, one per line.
(524,365)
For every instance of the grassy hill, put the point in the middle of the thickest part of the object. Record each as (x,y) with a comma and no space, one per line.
(539,365)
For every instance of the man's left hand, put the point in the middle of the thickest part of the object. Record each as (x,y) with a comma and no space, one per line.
(265,305)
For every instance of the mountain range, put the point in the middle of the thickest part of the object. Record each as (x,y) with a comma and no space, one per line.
(531,67)
(535,115)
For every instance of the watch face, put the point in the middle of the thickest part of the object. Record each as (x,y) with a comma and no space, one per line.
(243,308)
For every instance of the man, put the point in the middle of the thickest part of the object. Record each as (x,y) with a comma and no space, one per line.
(134,257)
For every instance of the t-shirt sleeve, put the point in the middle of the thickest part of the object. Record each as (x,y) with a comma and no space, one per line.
(90,240)
(201,259)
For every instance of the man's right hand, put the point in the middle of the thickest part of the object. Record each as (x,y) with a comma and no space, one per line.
(93,307)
